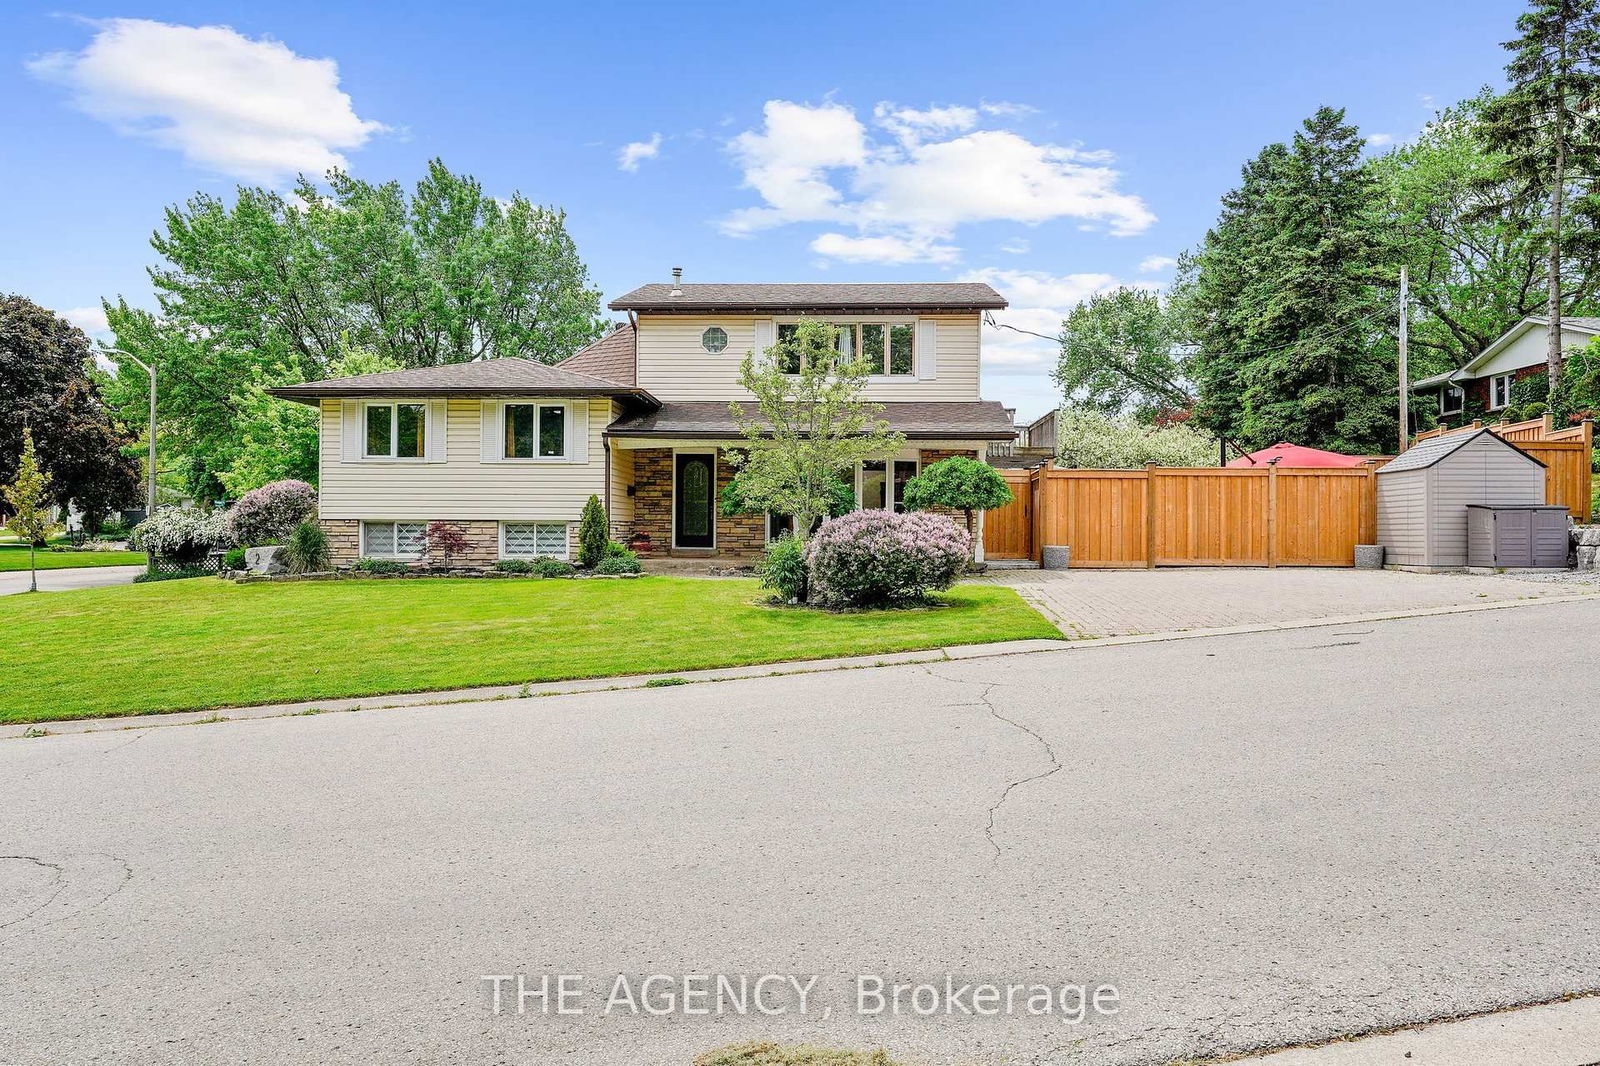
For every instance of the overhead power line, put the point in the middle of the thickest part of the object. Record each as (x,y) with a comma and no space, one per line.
(989,320)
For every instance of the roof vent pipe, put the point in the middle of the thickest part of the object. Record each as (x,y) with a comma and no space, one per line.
(677,279)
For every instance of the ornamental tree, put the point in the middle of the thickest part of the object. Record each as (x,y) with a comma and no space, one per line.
(446,539)
(961,484)
(28,497)
(810,422)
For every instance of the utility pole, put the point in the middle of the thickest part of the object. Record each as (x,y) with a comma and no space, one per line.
(1405,389)
(150,493)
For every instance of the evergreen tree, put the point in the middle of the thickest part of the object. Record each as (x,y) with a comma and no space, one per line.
(1284,300)
(1545,126)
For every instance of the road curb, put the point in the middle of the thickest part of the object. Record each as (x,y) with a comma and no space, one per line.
(581,686)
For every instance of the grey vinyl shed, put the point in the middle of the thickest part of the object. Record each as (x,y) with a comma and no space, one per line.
(1423,495)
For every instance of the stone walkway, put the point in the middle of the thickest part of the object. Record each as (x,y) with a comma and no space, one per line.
(1111,603)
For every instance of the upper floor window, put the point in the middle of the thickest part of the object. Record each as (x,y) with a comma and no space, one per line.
(1451,399)
(535,431)
(888,348)
(1499,391)
(396,430)
(714,339)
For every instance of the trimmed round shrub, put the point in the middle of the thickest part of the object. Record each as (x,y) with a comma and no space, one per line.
(784,569)
(879,558)
(182,534)
(269,514)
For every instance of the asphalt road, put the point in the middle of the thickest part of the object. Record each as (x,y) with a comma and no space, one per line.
(72,577)
(1257,839)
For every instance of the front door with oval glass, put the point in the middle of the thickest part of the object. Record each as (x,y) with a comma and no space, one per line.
(694,502)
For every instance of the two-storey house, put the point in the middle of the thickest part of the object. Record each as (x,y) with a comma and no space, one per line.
(509,449)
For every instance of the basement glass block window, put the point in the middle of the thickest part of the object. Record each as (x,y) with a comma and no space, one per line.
(714,339)
(527,540)
(393,539)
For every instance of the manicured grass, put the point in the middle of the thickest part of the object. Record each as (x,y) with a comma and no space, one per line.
(14,557)
(202,642)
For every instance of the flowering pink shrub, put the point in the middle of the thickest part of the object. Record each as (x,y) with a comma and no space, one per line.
(269,514)
(872,557)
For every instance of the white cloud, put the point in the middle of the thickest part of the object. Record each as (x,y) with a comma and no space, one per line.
(1016,246)
(820,164)
(635,152)
(1005,107)
(1039,302)
(92,320)
(1378,140)
(884,249)
(1155,264)
(910,126)
(251,109)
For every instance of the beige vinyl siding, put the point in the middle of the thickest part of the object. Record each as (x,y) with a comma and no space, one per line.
(621,511)
(463,486)
(674,366)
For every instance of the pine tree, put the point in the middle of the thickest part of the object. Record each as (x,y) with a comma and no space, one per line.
(28,496)
(1545,125)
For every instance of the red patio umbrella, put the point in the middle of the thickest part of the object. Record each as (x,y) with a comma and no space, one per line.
(1297,455)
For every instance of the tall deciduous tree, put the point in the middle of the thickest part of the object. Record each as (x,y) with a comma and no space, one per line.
(46,385)
(272,289)
(1476,252)
(1545,127)
(810,422)
(1285,300)
(1120,352)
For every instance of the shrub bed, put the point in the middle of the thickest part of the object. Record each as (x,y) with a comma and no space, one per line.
(878,558)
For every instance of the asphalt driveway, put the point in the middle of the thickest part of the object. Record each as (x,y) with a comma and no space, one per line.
(1256,839)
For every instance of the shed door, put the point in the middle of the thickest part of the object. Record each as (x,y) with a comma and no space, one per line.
(1513,539)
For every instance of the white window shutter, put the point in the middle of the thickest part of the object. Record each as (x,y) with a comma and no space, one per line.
(927,349)
(489,432)
(438,422)
(351,431)
(766,335)
(578,431)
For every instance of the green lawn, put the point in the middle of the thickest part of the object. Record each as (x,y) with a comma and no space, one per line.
(15,557)
(202,642)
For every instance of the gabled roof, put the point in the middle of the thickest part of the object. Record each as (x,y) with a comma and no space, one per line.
(485,377)
(612,357)
(1434,449)
(918,420)
(1580,324)
(852,298)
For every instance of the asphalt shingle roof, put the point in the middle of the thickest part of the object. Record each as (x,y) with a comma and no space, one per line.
(487,377)
(926,420)
(1434,449)
(709,298)
(611,357)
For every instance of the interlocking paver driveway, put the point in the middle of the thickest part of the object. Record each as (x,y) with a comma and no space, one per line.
(1114,603)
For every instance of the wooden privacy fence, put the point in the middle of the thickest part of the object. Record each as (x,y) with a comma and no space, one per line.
(1568,456)
(1170,516)
(1258,516)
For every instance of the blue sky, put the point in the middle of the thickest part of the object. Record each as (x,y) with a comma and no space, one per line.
(1051,149)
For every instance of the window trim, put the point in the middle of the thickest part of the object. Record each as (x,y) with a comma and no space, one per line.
(882,375)
(394,431)
(706,332)
(1510,379)
(397,555)
(566,530)
(1460,396)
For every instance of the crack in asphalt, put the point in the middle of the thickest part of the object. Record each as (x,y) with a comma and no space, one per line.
(60,881)
(1011,786)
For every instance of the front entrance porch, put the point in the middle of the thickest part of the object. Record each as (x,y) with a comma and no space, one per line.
(670,496)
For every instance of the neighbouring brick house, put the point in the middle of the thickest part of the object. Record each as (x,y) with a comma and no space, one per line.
(508,450)
(1484,386)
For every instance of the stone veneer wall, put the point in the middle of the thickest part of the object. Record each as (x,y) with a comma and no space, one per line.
(652,506)
(483,543)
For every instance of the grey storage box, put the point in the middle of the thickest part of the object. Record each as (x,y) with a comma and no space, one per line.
(1519,535)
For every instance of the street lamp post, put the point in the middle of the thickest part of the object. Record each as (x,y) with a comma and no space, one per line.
(150,495)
